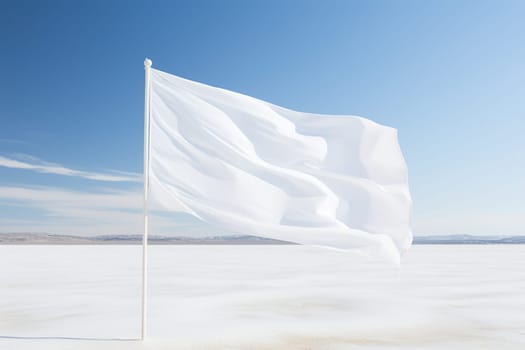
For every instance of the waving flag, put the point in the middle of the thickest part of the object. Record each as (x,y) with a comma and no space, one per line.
(252,167)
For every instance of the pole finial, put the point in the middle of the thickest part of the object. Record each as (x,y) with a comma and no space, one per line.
(147,63)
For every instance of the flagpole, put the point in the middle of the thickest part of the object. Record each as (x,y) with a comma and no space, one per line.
(147,66)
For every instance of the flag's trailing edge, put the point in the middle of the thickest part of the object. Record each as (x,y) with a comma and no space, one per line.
(252,167)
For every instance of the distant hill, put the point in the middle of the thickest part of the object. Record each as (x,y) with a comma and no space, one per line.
(469,239)
(46,238)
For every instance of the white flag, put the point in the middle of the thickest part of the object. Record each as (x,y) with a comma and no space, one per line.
(251,167)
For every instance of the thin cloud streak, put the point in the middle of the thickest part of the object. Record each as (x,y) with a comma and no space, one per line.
(37,165)
(62,211)
(20,142)
(50,197)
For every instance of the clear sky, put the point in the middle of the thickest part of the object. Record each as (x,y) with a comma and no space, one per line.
(449,75)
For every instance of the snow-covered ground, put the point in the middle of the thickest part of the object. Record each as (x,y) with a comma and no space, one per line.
(262,297)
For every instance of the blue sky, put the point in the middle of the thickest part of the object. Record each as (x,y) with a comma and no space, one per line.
(449,75)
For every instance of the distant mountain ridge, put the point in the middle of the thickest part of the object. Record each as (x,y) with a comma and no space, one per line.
(46,238)
(469,239)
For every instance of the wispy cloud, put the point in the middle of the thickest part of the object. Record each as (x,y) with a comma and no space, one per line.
(74,212)
(34,164)
(20,142)
(104,211)
(51,197)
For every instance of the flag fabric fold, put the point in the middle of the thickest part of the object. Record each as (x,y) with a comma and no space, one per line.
(251,167)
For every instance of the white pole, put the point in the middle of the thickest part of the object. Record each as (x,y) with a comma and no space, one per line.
(147,66)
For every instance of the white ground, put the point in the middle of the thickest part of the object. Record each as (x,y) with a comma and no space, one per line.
(261,297)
